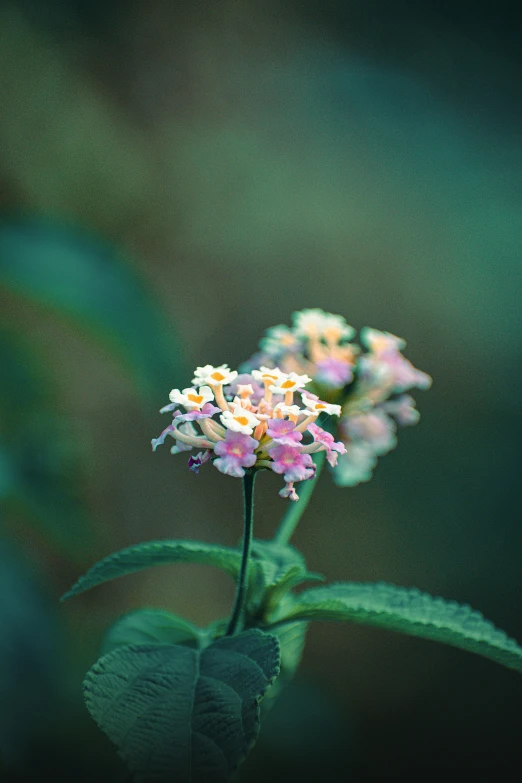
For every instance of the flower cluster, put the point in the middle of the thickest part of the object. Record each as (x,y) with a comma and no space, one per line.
(368,381)
(251,421)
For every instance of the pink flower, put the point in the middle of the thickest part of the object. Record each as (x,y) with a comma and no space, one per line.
(375,428)
(167,431)
(283,432)
(206,412)
(403,374)
(235,453)
(333,372)
(289,492)
(332,447)
(290,461)
(403,410)
(196,462)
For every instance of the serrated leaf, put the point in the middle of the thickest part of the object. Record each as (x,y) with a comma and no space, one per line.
(291,637)
(84,279)
(180,714)
(150,626)
(140,556)
(409,611)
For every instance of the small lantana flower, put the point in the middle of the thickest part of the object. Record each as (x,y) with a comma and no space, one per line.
(254,423)
(362,384)
(239,419)
(192,398)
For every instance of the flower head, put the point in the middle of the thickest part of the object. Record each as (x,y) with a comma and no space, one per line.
(247,428)
(363,384)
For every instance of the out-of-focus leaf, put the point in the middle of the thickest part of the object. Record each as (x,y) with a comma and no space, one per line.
(39,462)
(409,611)
(177,713)
(40,466)
(31,660)
(85,280)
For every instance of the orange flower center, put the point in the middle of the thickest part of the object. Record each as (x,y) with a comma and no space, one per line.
(217,376)
(287,385)
(241,420)
(197,398)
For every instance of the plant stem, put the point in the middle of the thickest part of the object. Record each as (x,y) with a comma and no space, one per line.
(242,582)
(296,510)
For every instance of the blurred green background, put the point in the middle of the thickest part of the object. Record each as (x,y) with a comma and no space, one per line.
(175,177)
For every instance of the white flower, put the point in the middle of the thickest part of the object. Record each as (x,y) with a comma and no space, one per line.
(289,383)
(317,323)
(214,376)
(289,410)
(318,406)
(268,374)
(278,340)
(192,398)
(239,419)
(378,342)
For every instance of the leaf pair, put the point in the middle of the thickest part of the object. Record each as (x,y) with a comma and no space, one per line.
(406,610)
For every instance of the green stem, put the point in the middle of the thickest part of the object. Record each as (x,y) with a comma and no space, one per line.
(295,510)
(242,582)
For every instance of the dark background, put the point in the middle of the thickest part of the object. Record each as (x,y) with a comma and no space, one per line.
(245,160)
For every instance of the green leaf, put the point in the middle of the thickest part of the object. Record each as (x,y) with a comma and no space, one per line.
(180,714)
(291,637)
(276,560)
(153,553)
(280,568)
(85,280)
(409,611)
(151,626)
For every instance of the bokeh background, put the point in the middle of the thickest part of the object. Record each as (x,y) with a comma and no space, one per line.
(175,177)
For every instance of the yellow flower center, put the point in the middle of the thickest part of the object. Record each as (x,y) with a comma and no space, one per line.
(241,420)
(197,398)
(217,376)
(320,405)
(287,384)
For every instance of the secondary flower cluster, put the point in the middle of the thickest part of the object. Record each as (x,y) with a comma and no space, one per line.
(368,382)
(251,421)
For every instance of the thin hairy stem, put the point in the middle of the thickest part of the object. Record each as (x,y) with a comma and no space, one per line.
(242,582)
(295,510)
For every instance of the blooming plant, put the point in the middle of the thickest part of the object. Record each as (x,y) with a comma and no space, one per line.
(183,703)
